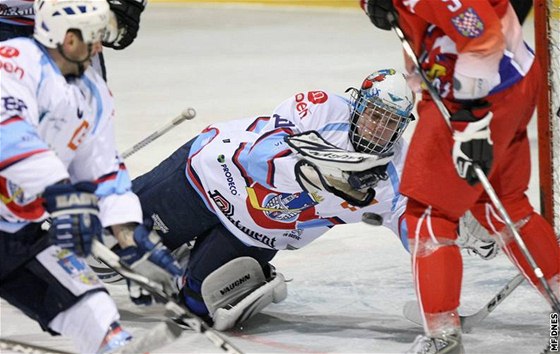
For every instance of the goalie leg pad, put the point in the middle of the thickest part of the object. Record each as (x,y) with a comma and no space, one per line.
(238,290)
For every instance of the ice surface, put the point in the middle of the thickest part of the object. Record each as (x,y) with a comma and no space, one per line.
(348,287)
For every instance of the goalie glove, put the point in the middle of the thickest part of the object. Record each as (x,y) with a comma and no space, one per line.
(310,178)
(311,146)
(347,174)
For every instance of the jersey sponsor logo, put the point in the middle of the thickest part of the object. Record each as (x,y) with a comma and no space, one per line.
(228,175)
(468,23)
(12,69)
(11,104)
(295,234)
(8,52)
(316,97)
(228,210)
(79,135)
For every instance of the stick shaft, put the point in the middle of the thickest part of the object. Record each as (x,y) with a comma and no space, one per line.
(187,114)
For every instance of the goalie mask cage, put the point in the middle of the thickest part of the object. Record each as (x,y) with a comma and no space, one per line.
(547,40)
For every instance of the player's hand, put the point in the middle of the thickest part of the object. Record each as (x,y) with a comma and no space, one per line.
(127,13)
(473,144)
(149,257)
(75,216)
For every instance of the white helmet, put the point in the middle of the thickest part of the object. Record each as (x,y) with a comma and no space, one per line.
(53,18)
(381,112)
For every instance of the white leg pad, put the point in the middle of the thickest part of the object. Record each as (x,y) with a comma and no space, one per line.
(238,290)
(273,291)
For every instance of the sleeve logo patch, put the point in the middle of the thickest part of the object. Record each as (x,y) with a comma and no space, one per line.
(468,23)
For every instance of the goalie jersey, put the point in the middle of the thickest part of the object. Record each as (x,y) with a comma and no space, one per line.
(52,129)
(244,172)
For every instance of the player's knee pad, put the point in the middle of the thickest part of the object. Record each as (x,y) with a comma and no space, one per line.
(538,235)
(428,229)
(238,290)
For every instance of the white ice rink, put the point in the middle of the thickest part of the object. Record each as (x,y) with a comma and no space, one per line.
(347,288)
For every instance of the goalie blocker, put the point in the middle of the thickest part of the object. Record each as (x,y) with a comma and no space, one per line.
(238,290)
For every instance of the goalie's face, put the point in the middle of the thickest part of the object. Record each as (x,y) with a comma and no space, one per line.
(381,110)
(374,129)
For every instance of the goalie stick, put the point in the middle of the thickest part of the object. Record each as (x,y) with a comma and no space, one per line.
(23,347)
(179,312)
(187,114)
(412,313)
(537,271)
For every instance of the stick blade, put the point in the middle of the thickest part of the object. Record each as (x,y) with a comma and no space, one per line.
(161,335)
(411,312)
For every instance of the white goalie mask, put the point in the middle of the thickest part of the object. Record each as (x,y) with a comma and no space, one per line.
(53,18)
(381,111)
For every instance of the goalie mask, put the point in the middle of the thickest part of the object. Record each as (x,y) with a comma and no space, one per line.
(381,111)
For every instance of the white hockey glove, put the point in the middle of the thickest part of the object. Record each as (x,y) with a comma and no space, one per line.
(347,174)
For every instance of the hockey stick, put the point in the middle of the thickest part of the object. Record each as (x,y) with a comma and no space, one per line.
(412,313)
(179,312)
(479,173)
(187,114)
(23,347)
(164,333)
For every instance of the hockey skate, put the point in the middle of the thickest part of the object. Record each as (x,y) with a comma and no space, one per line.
(450,344)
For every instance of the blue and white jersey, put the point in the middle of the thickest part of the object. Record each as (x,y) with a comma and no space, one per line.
(51,129)
(244,171)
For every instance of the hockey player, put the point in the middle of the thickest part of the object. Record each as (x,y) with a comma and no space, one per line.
(248,188)
(17,18)
(58,160)
(474,53)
